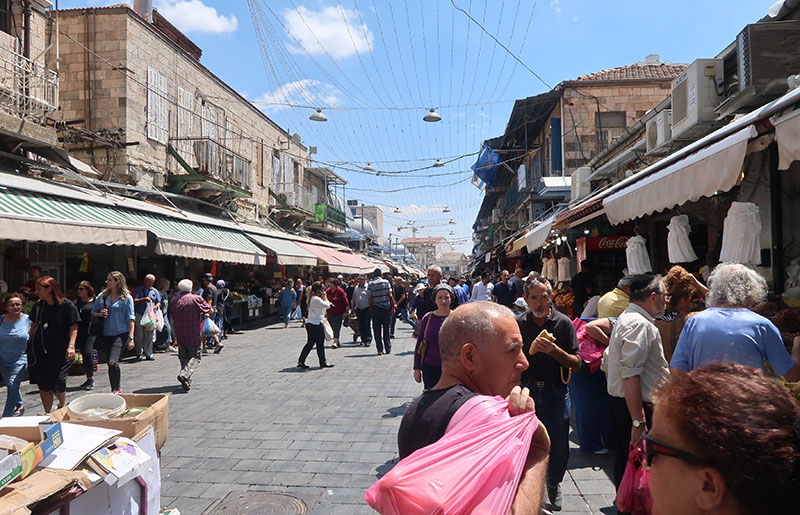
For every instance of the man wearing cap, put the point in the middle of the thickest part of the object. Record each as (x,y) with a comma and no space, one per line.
(381,306)
(461,295)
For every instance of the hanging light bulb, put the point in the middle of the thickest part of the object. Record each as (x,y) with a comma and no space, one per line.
(438,164)
(432,116)
(452,222)
(397,210)
(586,231)
(369,168)
(446,209)
(318,116)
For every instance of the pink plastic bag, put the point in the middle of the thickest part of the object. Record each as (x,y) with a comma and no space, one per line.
(633,495)
(474,468)
(590,350)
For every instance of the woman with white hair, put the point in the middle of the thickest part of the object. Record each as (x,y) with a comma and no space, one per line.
(189,312)
(115,307)
(729,332)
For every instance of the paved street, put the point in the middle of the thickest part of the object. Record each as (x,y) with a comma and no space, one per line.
(254,423)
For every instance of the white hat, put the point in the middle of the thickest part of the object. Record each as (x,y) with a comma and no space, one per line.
(419,287)
(520,303)
(340,276)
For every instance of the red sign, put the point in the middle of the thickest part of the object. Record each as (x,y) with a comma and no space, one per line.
(607,243)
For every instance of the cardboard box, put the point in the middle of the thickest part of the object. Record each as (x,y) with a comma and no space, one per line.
(10,468)
(44,439)
(156,415)
(44,486)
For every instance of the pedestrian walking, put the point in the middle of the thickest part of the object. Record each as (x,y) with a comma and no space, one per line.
(163,338)
(635,365)
(314,329)
(339,307)
(226,303)
(504,292)
(461,295)
(381,305)
(400,305)
(483,288)
(287,299)
(189,312)
(144,296)
(210,290)
(434,279)
(85,341)
(14,333)
(427,359)
(361,306)
(115,306)
(552,360)
(518,282)
(51,347)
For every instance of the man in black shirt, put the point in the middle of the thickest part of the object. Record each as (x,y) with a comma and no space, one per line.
(428,302)
(482,354)
(400,304)
(551,363)
(504,292)
(583,287)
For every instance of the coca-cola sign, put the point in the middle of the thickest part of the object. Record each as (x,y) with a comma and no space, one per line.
(606,243)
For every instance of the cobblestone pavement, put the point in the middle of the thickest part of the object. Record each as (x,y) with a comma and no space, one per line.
(254,423)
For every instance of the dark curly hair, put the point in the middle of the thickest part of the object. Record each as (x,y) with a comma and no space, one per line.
(746,426)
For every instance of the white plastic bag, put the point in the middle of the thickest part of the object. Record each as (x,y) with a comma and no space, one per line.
(159,319)
(148,320)
(328,329)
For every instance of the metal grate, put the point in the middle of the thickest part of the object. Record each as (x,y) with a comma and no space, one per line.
(260,503)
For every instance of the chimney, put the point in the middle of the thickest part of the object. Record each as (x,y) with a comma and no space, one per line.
(652,59)
(143,8)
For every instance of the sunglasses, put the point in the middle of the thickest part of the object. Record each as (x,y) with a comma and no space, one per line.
(652,448)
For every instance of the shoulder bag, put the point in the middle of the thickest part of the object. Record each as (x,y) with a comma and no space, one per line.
(96,323)
(423,346)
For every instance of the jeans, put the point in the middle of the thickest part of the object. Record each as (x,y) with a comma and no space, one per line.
(316,336)
(12,377)
(109,352)
(401,313)
(552,408)
(380,328)
(286,313)
(364,319)
(87,347)
(592,410)
(190,360)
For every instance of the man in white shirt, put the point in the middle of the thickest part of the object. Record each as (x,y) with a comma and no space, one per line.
(635,365)
(360,303)
(483,289)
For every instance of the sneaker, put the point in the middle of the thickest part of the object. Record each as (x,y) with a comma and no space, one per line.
(554,496)
(218,349)
(185,383)
(117,391)
(87,385)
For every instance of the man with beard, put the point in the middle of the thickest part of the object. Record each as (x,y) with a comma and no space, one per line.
(635,365)
(552,359)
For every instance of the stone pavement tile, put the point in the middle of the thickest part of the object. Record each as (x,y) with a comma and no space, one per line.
(255,454)
(354,468)
(574,503)
(361,481)
(252,465)
(300,444)
(600,502)
(257,478)
(216,452)
(596,487)
(287,466)
(220,490)
(328,480)
(228,443)
(320,466)
(192,505)
(292,478)
(219,464)
(278,454)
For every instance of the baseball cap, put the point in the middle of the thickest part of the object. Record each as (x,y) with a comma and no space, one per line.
(208,277)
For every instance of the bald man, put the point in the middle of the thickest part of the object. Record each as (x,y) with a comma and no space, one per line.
(143,296)
(481,349)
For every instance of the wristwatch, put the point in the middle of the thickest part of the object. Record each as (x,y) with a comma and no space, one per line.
(638,423)
(130,338)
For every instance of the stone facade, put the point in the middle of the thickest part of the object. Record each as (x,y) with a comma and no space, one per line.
(143,89)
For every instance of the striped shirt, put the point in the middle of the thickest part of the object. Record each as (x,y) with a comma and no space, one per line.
(379,290)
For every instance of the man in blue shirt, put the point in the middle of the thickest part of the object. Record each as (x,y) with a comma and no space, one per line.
(381,305)
(143,296)
(461,295)
(728,332)
(504,292)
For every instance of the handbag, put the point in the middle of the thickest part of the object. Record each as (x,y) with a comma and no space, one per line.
(326,326)
(423,345)
(96,323)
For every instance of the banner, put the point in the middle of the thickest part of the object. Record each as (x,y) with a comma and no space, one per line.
(485,168)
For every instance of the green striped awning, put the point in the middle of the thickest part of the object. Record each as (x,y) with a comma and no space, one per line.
(176,237)
(287,251)
(41,217)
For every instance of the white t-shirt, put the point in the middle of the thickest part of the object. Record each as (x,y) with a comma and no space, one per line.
(316,310)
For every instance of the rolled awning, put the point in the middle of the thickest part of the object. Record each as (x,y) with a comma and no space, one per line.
(287,251)
(787,135)
(714,168)
(537,236)
(175,237)
(40,217)
(336,260)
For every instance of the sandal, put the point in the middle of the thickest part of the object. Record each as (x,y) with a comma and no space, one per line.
(19,411)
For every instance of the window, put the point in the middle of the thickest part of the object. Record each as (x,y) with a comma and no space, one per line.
(610,119)
(208,122)
(185,128)
(277,173)
(296,172)
(157,106)
(5,16)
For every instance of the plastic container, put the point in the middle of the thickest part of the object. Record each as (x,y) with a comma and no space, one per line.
(96,406)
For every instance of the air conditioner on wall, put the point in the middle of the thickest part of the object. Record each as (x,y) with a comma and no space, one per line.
(659,130)
(695,95)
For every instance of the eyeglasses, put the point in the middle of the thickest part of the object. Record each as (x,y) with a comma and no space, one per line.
(81,288)
(653,447)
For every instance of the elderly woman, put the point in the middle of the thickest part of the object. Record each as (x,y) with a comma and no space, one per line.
(725,440)
(14,330)
(728,332)
(189,312)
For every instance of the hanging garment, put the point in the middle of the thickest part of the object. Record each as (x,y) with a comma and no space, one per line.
(564,270)
(679,247)
(638,260)
(741,235)
(550,268)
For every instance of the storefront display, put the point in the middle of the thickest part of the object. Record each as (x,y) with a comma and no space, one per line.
(741,236)
(638,259)
(679,247)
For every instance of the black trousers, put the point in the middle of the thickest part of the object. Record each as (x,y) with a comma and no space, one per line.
(364,319)
(622,424)
(380,327)
(316,336)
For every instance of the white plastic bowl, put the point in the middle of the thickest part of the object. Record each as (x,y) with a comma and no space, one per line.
(96,406)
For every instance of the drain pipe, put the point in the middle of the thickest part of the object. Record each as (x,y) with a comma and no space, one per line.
(26,29)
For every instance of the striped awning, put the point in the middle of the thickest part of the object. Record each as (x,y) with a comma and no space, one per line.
(41,217)
(287,251)
(337,261)
(176,237)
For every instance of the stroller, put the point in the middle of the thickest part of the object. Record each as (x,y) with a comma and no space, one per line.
(351,321)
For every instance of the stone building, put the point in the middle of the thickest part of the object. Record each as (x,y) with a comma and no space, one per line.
(428,250)
(144,111)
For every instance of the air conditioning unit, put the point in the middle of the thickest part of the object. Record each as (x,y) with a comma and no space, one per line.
(768,51)
(158,180)
(581,187)
(659,130)
(694,98)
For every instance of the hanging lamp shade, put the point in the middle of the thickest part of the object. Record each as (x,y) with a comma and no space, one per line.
(318,116)
(432,116)
(397,210)
(446,209)
(369,168)
(438,164)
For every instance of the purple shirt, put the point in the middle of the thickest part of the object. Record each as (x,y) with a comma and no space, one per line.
(429,328)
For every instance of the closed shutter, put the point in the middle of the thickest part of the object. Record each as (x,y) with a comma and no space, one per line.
(185,118)
(163,109)
(152,103)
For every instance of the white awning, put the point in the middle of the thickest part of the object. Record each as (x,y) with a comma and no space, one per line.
(787,134)
(712,169)
(537,236)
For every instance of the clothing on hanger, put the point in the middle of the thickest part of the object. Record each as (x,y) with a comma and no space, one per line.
(741,234)
(638,259)
(679,247)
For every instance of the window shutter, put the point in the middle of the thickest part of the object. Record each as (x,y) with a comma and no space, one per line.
(152,103)
(163,109)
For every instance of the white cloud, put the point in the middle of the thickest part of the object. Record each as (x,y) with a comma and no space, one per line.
(305,92)
(195,16)
(555,7)
(334,30)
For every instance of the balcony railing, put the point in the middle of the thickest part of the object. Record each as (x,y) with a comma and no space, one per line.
(295,196)
(27,89)
(335,216)
(216,160)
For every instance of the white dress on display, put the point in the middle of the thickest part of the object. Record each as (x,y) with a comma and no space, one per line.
(638,260)
(550,269)
(741,235)
(564,271)
(679,247)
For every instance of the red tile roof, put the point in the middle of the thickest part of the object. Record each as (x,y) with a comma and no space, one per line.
(638,71)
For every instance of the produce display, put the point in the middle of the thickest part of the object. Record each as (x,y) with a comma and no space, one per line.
(564,300)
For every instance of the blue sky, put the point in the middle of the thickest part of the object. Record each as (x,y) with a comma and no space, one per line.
(376,67)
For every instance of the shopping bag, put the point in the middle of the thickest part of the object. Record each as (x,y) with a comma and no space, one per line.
(298,314)
(328,329)
(159,316)
(633,494)
(210,328)
(474,468)
(148,320)
(590,350)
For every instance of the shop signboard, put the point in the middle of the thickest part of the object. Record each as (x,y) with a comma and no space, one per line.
(606,243)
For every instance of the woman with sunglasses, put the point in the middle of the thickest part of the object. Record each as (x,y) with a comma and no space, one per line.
(14,331)
(115,306)
(51,346)
(85,341)
(725,440)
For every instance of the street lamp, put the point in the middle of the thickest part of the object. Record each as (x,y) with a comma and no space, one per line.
(369,168)
(438,164)
(432,116)
(318,116)
(446,209)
